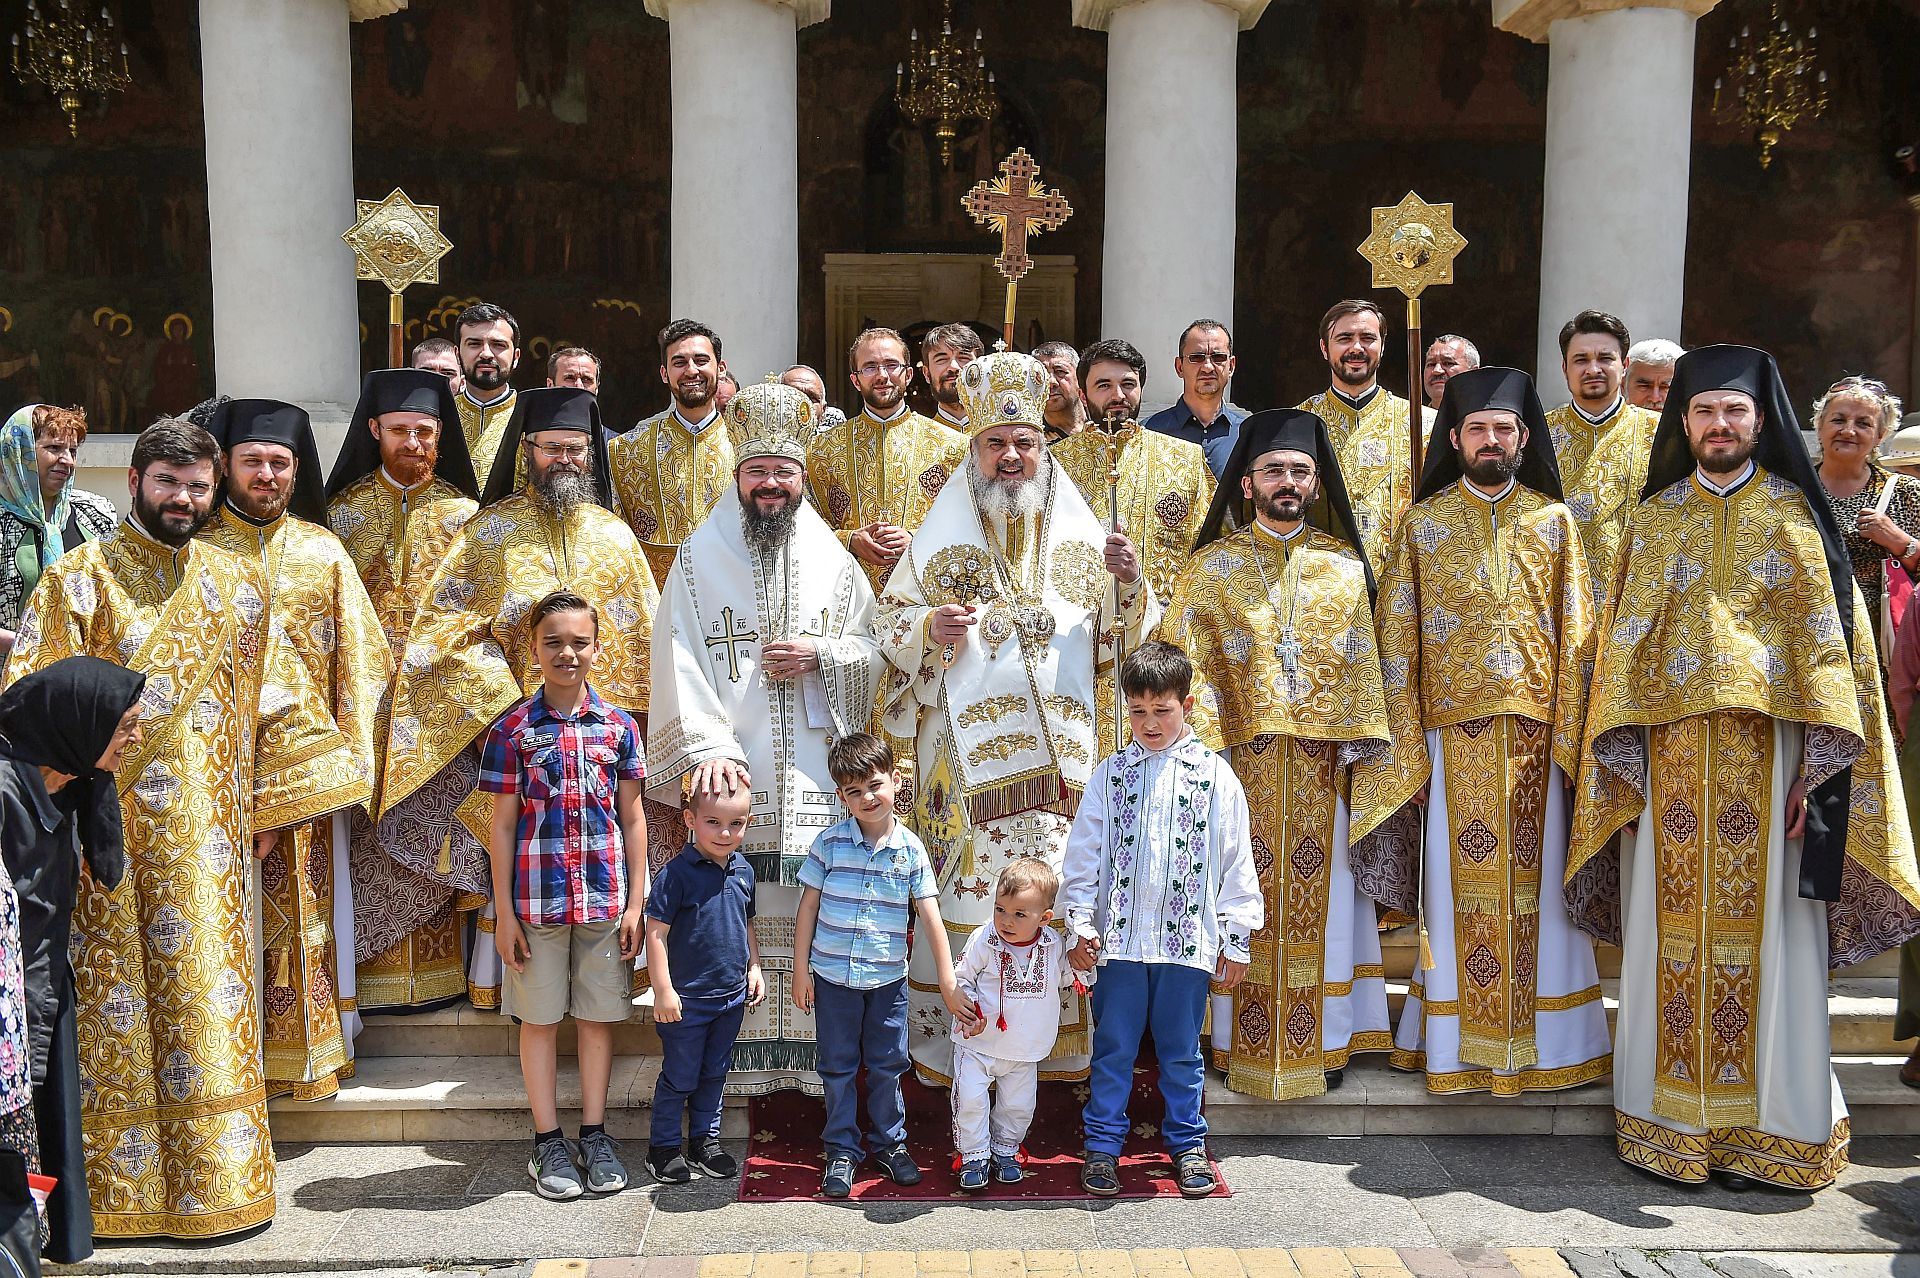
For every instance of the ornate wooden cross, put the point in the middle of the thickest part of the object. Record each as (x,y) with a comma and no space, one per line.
(1016,205)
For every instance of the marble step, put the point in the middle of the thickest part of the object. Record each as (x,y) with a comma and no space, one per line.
(415,1099)
(1860,1011)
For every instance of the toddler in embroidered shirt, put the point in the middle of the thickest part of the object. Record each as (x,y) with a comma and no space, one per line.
(1013,970)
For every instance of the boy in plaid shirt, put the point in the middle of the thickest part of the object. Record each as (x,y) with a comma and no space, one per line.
(569,855)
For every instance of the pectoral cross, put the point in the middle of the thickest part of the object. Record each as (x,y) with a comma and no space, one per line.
(726,636)
(1015,205)
(1288,652)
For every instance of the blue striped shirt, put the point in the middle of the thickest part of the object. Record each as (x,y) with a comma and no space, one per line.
(866,900)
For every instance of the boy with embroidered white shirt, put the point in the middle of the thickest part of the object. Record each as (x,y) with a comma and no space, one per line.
(1160,891)
(1013,970)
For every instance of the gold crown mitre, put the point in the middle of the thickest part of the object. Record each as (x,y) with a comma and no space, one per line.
(1005,388)
(770,420)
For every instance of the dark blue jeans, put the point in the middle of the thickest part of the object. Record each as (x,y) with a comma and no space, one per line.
(855,1028)
(1129,999)
(696,1052)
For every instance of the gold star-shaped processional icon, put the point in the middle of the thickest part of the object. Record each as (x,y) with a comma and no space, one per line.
(397,241)
(1413,245)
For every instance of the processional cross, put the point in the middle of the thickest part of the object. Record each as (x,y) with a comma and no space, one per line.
(1412,246)
(398,243)
(1016,205)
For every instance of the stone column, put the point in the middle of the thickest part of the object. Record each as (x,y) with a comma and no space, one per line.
(279,123)
(1172,109)
(1619,141)
(735,229)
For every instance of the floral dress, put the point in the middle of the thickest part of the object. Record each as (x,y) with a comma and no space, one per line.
(17,1129)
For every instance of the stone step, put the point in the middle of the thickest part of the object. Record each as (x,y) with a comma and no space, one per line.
(416,1099)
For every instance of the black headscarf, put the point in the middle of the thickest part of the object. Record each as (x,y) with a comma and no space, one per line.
(404,390)
(550,408)
(63,717)
(1299,431)
(273,421)
(1479,390)
(1779,451)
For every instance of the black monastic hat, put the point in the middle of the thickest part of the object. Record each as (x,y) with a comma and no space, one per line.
(403,390)
(1479,390)
(1300,431)
(550,408)
(273,421)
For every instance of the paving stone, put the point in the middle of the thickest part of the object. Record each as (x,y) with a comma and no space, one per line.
(1636,1264)
(833,1264)
(693,1226)
(1268,1262)
(1748,1267)
(1382,1271)
(887,1264)
(1470,1161)
(1373,1257)
(506,1228)
(1684,1264)
(779,1264)
(1591,1262)
(1537,1262)
(1648,1215)
(726,1265)
(1432,1262)
(1051,1261)
(1213,1262)
(622,1267)
(296,1240)
(1106,1262)
(1304,1162)
(1284,1217)
(999,1264)
(1322,1262)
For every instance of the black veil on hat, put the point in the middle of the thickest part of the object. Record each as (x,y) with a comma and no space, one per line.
(1479,390)
(63,717)
(404,390)
(550,408)
(273,421)
(1779,451)
(1300,431)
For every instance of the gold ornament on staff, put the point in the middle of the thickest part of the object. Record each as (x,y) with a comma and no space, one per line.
(398,243)
(1412,247)
(1110,432)
(1017,206)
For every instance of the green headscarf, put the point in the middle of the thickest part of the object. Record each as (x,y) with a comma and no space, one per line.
(20,497)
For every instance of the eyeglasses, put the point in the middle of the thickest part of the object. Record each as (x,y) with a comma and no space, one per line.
(784,474)
(1200,359)
(563,452)
(891,367)
(1299,474)
(413,434)
(164,484)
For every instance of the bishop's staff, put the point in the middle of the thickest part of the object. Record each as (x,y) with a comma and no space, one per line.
(1412,246)
(1110,431)
(398,243)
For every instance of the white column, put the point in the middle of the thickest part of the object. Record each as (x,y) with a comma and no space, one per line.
(1172,123)
(279,122)
(1619,140)
(735,229)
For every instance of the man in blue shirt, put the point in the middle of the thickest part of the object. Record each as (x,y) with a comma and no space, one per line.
(1202,414)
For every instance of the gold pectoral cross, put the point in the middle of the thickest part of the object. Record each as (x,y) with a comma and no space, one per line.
(724,635)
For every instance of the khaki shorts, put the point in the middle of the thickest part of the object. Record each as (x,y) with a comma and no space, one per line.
(572,970)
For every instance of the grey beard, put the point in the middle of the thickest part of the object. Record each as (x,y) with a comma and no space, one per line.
(562,494)
(767,533)
(1002,500)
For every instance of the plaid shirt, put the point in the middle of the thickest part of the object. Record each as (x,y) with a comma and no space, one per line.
(570,865)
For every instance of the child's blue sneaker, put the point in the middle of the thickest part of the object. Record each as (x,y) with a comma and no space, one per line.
(1006,1169)
(973,1176)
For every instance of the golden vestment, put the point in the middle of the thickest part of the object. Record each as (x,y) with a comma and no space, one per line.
(1486,635)
(1287,678)
(318,607)
(468,659)
(864,470)
(397,539)
(1376,460)
(1722,671)
(484,427)
(237,739)
(1603,466)
(665,480)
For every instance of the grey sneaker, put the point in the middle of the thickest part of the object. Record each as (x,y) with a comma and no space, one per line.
(553,1172)
(600,1160)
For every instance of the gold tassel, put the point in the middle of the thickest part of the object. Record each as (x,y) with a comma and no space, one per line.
(1426,949)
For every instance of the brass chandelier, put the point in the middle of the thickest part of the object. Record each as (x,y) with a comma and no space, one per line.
(944,82)
(70,58)
(1773,81)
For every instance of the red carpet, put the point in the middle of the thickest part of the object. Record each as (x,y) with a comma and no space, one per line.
(784,1157)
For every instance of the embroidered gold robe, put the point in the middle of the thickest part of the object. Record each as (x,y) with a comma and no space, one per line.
(1165,489)
(1287,680)
(468,659)
(1722,672)
(666,479)
(397,540)
(865,470)
(1376,460)
(1486,634)
(1602,469)
(484,428)
(237,739)
(316,605)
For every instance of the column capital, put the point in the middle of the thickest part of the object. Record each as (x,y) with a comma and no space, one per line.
(1098,14)
(1532,19)
(361,10)
(805,12)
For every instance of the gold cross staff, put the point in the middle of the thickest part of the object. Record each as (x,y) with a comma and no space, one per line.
(1016,205)
(1412,246)
(398,243)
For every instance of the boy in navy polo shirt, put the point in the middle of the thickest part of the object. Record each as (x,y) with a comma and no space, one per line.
(705,968)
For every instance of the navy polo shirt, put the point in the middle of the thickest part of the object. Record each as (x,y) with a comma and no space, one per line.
(706,908)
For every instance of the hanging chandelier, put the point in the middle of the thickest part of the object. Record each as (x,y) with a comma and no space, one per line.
(944,82)
(70,58)
(1773,81)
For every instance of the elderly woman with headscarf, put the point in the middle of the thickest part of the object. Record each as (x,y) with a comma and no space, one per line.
(63,732)
(1879,512)
(42,515)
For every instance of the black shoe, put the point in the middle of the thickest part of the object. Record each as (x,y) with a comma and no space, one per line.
(668,1165)
(1335,1077)
(709,1159)
(1733,1182)
(898,1165)
(837,1180)
(1100,1175)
